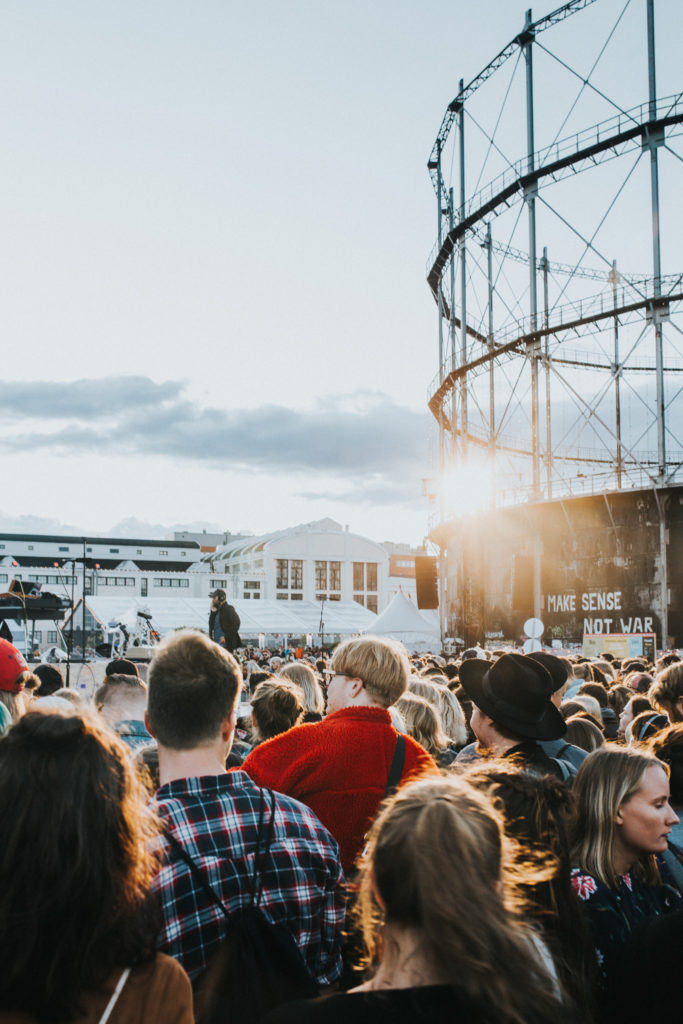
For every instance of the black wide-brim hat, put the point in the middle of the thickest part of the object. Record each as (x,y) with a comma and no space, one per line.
(515,692)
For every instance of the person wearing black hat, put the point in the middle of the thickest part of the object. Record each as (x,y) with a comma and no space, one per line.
(513,710)
(559,748)
(224,622)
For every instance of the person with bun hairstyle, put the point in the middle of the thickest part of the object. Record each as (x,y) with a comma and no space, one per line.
(76,918)
(443,928)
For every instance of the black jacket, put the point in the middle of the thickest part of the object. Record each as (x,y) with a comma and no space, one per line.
(230,624)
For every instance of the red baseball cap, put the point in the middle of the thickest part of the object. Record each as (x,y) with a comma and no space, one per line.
(12,665)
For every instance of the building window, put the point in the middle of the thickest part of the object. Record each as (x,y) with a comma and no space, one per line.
(143,587)
(219,583)
(63,549)
(335,575)
(2,546)
(320,576)
(114,551)
(358,576)
(321,597)
(49,579)
(163,552)
(359,599)
(256,597)
(282,574)
(252,585)
(171,583)
(3,577)
(52,636)
(371,576)
(281,597)
(296,597)
(139,551)
(30,547)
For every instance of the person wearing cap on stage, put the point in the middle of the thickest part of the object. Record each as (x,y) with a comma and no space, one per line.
(224,622)
(15,675)
(513,710)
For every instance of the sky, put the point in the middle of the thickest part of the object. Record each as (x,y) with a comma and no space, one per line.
(215,224)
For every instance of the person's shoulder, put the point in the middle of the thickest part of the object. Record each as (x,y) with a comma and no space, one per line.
(299,815)
(160,991)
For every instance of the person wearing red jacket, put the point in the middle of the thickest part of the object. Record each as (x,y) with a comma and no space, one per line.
(340,767)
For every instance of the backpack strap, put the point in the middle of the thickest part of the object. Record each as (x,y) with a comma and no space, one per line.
(396,769)
(200,877)
(261,856)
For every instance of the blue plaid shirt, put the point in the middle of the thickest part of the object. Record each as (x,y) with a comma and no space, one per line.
(215,818)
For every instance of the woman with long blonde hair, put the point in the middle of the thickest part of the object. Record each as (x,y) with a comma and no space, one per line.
(442,927)
(305,678)
(623,821)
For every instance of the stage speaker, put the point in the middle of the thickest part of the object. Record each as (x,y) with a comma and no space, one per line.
(523,584)
(425,578)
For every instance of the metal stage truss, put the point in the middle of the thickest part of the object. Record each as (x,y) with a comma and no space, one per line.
(560,353)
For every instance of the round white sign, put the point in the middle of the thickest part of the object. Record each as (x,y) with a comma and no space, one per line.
(534,628)
(532,645)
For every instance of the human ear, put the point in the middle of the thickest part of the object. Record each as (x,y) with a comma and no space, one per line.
(356,686)
(228,726)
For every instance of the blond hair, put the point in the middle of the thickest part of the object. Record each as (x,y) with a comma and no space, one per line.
(423,722)
(452,717)
(606,780)
(305,678)
(438,858)
(381,664)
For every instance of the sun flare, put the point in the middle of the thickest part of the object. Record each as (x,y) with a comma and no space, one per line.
(467,487)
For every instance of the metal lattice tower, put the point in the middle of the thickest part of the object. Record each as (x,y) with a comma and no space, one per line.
(559,363)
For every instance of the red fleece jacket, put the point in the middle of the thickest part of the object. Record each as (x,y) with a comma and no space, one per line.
(339,768)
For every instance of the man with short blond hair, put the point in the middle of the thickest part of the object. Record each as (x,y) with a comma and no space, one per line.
(340,767)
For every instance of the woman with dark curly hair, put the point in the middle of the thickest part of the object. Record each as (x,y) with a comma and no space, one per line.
(76,921)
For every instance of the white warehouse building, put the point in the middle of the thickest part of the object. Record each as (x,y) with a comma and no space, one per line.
(318,561)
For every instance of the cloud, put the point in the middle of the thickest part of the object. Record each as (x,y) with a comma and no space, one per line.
(373,490)
(365,435)
(83,399)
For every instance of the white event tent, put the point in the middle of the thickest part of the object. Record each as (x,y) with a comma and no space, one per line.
(401,620)
(272,617)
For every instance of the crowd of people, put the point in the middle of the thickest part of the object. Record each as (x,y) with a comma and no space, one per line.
(493,837)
